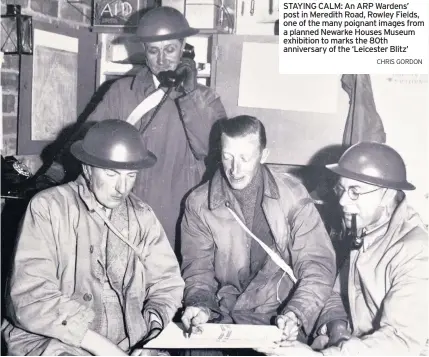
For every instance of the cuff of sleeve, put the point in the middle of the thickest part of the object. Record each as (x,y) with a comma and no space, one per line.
(322,325)
(323,330)
(77,327)
(152,316)
(204,300)
(159,311)
(302,318)
(186,104)
(188,94)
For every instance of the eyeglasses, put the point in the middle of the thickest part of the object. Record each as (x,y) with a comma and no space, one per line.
(352,191)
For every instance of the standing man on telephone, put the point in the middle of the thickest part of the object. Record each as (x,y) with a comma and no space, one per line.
(177,125)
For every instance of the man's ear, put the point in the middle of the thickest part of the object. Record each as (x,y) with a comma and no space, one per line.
(264,155)
(183,46)
(86,170)
(389,197)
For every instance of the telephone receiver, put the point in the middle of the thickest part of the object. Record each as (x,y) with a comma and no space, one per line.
(171,79)
(13,173)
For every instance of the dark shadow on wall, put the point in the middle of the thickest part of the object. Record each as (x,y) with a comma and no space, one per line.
(58,163)
(319,182)
(213,159)
(133,45)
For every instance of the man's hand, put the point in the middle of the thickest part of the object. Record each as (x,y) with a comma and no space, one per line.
(188,69)
(194,316)
(290,325)
(294,348)
(337,332)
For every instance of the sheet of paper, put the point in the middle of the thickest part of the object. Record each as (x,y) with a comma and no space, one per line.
(217,336)
(261,85)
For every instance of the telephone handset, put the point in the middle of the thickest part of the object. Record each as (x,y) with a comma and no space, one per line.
(13,173)
(171,79)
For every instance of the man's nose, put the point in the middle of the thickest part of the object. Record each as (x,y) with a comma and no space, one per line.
(344,199)
(161,58)
(121,185)
(235,167)
(347,204)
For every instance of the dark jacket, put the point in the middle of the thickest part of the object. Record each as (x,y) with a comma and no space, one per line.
(215,249)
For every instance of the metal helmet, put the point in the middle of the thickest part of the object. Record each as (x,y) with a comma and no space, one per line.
(164,23)
(373,163)
(113,144)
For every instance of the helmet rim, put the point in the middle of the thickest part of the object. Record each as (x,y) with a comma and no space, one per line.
(164,23)
(171,36)
(376,181)
(113,144)
(79,152)
(373,163)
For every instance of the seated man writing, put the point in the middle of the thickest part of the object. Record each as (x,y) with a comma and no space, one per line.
(229,277)
(94,271)
(385,311)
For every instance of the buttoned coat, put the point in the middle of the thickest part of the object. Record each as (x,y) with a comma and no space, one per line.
(58,274)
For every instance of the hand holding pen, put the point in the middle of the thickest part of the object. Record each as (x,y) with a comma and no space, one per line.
(192,317)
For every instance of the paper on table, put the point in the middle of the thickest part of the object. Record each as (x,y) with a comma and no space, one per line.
(217,336)
(261,85)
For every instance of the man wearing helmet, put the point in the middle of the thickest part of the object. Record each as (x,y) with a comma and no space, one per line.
(177,130)
(379,305)
(93,271)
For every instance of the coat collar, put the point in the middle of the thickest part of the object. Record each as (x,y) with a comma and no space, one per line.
(84,192)
(220,192)
(87,196)
(390,225)
(143,81)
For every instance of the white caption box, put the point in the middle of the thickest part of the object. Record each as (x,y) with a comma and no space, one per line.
(377,37)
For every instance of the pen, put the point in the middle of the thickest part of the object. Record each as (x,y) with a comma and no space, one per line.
(187,332)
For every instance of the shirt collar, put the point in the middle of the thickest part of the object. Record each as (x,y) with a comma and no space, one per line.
(372,235)
(155,81)
(87,196)
(143,81)
(220,193)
